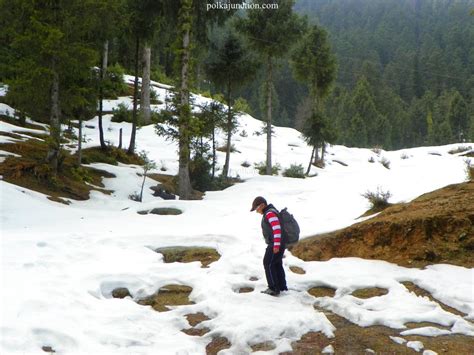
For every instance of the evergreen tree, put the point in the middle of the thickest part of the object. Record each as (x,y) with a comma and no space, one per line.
(143,15)
(458,117)
(53,52)
(314,64)
(229,66)
(271,34)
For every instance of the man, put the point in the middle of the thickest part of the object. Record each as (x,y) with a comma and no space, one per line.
(273,259)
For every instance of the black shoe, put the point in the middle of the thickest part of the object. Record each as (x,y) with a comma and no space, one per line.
(271,292)
(284,289)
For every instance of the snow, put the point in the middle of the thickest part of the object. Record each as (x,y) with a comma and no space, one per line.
(59,264)
(398,340)
(415,345)
(328,350)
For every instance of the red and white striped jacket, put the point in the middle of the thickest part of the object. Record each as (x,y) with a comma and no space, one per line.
(272,219)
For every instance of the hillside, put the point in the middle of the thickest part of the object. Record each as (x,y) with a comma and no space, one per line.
(437,227)
(101,273)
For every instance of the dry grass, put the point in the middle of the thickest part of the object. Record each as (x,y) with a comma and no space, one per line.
(30,171)
(189,254)
(169,295)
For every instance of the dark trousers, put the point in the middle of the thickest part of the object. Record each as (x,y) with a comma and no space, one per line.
(273,264)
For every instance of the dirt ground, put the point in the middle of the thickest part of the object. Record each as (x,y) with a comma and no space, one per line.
(437,227)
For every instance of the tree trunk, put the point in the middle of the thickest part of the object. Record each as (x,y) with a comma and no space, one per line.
(120,139)
(103,71)
(131,147)
(55,126)
(145,95)
(323,150)
(225,173)
(213,152)
(143,184)
(310,161)
(79,142)
(316,155)
(184,181)
(269,117)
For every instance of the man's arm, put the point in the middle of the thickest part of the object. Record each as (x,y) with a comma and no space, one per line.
(272,218)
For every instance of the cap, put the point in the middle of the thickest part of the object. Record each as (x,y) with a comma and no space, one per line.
(257,202)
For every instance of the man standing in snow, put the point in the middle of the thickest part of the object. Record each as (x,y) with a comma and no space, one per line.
(273,259)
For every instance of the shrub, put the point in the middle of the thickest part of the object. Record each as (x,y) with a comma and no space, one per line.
(224,149)
(404,156)
(121,114)
(243,133)
(114,84)
(295,171)
(385,162)
(199,173)
(377,150)
(134,197)
(262,168)
(245,164)
(379,199)
(371,160)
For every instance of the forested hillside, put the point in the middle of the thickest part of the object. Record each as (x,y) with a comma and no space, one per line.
(405,72)
(361,73)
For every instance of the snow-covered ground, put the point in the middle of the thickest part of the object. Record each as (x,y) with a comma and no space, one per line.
(59,264)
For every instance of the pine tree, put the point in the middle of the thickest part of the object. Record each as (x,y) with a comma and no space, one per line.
(458,117)
(271,33)
(314,64)
(229,66)
(142,23)
(54,53)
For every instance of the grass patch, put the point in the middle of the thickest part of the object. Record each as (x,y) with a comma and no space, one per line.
(294,171)
(189,254)
(369,292)
(111,155)
(16,122)
(30,171)
(322,291)
(297,270)
(169,295)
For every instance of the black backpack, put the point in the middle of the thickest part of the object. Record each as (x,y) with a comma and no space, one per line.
(290,227)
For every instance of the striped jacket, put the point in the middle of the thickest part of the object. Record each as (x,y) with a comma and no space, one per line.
(271,227)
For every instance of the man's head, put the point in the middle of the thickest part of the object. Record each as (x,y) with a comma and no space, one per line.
(258,204)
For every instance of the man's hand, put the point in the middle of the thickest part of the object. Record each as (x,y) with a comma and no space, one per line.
(276,250)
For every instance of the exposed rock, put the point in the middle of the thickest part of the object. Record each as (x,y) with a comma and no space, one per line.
(165,211)
(121,292)
(159,191)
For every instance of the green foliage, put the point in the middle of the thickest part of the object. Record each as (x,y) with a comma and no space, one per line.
(114,85)
(262,167)
(294,171)
(121,113)
(81,174)
(313,62)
